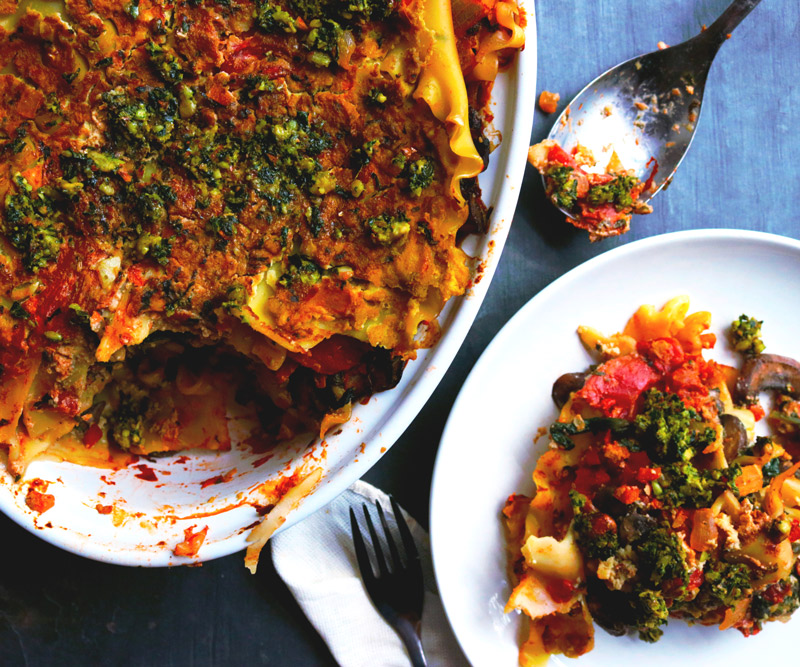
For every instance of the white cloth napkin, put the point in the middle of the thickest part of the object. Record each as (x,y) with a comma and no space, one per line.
(317,561)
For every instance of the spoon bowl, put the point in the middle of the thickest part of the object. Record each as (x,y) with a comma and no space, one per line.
(646,109)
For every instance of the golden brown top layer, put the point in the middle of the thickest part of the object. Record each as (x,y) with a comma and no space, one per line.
(172,158)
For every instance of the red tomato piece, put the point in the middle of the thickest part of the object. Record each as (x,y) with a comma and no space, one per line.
(58,292)
(777,593)
(558,154)
(794,533)
(616,386)
(592,215)
(627,494)
(648,474)
(590,458)
(135,275)
(92,435)
(688,378)
(695,579)
(561,590)
(333,355)
(757,410)
(587,480)
(665,354)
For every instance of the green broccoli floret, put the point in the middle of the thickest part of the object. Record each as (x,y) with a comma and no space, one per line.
(577,500)
(29,224)
(651,613)
(165,64)
(301,271)
(140,122)
(323,42)
(661,557)
(560,432)
(727,582)
(562,187)
(154,247)
(222,227)
(76,165)
(236,297)
(372,9)
(322,182)
(617,192)
(288,140)
(273,18)
(17,142)
(388,229)
(420,174)
(595,534)
(255,85)
(683,485)
(400,161)
(665,427)
(151,203)
(127,421)
(746,335)
(105,162)
(349,10)
(310,9)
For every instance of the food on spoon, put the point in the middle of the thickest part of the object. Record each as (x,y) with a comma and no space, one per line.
(655,499)
(245,207)
(601,203)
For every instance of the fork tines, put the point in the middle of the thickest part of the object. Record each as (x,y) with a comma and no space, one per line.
(407,566)
(397,593)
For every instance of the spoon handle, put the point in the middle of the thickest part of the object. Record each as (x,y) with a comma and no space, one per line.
(721,29)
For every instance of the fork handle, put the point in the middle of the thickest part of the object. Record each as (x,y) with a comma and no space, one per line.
(408,633)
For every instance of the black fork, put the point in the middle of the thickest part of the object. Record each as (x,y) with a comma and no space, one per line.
(396,591)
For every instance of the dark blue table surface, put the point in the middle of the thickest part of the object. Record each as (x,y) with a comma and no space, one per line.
(742,172)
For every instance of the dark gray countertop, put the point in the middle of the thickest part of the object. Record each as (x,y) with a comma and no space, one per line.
(742,172)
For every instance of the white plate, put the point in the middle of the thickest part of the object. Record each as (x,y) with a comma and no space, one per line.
(151,516)
(487,449)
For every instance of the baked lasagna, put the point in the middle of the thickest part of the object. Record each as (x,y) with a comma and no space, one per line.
(656,499)
(216,207)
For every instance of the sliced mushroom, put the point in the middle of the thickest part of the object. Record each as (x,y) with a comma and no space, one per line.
(766,372)
(566,384)
(635,526)
(734,436)
(384,371)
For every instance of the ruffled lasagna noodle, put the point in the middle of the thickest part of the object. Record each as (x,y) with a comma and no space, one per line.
(240,206)
(655,499)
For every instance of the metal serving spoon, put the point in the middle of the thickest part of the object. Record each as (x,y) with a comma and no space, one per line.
(646,109)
